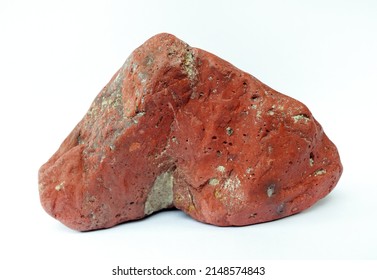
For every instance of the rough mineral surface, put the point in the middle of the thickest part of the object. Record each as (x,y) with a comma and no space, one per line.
(179,127)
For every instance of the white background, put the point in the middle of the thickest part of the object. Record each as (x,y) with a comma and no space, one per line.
(55,56)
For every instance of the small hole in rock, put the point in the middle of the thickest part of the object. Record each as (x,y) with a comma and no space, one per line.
(311,159)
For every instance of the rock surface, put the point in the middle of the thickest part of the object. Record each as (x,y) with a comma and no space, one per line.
(179,127)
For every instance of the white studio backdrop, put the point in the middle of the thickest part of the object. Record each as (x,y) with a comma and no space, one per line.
(56,56)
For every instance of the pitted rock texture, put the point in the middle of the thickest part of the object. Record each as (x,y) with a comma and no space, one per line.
(179,127)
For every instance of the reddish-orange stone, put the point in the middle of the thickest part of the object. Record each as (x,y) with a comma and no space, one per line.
(179,127)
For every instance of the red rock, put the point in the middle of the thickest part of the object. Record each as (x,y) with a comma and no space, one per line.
(179,127)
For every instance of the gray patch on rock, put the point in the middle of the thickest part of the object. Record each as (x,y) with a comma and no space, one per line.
(189,65)
(271,190)
(161,194)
